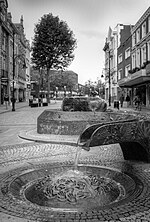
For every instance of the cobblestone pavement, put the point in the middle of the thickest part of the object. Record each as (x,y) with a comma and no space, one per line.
(20,158)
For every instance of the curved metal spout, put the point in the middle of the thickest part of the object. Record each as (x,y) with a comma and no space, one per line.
(83,145)
(134,131)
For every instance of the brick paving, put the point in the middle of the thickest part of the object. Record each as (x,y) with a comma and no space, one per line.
(18,156)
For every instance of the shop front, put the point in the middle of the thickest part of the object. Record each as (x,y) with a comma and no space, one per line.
(3,88)
(139,84)
(21,91)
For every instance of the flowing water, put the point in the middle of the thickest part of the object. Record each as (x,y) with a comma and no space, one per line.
(77,156)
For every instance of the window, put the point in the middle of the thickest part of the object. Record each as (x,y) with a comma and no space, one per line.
(144,30)
(143,54)
(32,86)
(120,58)
(4,41)
(149,24)
(133,39)
(133,60)
(127,53)
(137,35)
(148,48)
(127,68)
(138,62)
(119,74)
(4,63)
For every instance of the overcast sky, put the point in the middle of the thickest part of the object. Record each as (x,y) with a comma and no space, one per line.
(88,19)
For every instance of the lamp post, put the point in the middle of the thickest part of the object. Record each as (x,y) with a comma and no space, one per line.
(13,94)
(107,49)
(109,79)
(56,93)
(64,91)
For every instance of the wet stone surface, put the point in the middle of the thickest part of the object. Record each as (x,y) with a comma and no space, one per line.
(94,191)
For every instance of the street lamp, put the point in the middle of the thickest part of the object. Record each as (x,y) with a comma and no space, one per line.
(24,66)
(107,49)
(64,91)
(56,92)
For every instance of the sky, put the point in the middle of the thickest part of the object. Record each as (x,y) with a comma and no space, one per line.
(88,19)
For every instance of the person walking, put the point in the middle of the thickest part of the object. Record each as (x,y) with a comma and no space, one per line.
(121,100)
(128,100)
(137,102)
(6,99)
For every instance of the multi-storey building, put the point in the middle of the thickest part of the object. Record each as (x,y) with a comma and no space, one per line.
(110,70)
(6,30)
(14,51)
(20,62)
(138,78)
(124,58)
(28,79)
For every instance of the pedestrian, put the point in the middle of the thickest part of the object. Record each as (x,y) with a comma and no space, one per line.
(121,100)
(6,99)
(128,100)
(137,102)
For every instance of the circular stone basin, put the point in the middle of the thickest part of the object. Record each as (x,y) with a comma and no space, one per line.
(68,189)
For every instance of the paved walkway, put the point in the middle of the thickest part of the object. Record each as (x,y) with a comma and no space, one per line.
(19,105)
(130,109)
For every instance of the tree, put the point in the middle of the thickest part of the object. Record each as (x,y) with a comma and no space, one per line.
(53,45)
(62,79)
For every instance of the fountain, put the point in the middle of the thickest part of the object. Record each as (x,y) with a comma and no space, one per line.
(75,187)
(55,185)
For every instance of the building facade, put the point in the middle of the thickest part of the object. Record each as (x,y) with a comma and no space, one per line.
(28,78)
(124,58)
(138,78)
(112,43)
(5,32)
(20,60)
(14,52)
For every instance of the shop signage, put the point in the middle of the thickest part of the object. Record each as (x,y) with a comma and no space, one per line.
(136,75)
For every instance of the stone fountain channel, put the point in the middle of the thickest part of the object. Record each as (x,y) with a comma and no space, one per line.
(49,184)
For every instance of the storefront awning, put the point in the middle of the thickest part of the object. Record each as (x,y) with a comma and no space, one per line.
(128,83)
